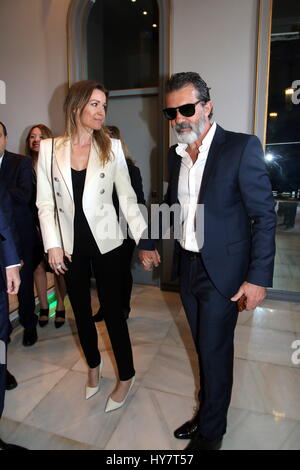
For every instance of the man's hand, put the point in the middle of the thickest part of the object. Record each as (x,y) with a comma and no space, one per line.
(149,259)
(13,280)
(255,294)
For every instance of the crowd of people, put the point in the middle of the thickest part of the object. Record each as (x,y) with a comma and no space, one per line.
(60,212)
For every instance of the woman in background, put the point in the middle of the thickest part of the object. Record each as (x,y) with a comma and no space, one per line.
(37,133)
(87,164)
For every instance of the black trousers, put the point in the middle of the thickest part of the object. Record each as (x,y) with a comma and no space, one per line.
(4,331)
(212,319)
(107,271)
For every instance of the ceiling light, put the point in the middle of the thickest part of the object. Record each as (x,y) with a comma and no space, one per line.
(289,91)
(145,12)
(273,114)
(154,25)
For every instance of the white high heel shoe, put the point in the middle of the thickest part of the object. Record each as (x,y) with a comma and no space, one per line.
(112,405)
(90,391)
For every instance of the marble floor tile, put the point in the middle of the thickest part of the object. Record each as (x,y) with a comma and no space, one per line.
(266,388)
(293,440)
(48,409)
(7,428)
(25,398)
(180,334)
(256,431)
(275,319)
(74,417)
(63,351)
(156,415)
(174,370)
(37,439)
(266,345)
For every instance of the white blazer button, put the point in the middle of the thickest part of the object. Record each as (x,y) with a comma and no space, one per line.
(56,179)
(102,175)
(101,207)
(102,191)
(60,210)
(58,194)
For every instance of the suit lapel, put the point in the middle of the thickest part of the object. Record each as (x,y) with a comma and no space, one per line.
(3,168)
(212,158)
(62,157)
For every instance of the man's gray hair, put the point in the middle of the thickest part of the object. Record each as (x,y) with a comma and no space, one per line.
(183,79)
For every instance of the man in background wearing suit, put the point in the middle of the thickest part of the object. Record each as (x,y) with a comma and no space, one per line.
(16,177)
(225,172)
(10,282)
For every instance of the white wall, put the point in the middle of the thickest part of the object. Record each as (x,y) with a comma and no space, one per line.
(33,64)
(217,38)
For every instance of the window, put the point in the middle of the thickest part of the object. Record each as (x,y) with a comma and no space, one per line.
(122,43)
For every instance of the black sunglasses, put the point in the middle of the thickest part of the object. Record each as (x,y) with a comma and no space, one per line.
(186,110)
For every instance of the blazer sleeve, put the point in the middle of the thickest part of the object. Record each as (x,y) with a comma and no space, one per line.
(44,200)
(127,197)
(257,196)
(22,192)
(8,248)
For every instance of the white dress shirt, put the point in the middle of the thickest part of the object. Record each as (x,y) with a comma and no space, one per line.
(190,178)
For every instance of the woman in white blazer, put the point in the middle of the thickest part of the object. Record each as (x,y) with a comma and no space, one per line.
(86,166)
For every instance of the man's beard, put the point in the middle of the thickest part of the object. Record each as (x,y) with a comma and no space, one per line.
(190,137)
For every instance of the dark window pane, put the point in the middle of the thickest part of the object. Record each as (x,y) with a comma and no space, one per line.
(123,43)
(283,124)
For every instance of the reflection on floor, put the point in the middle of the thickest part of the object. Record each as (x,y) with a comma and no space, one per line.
(287,260)
(48,409)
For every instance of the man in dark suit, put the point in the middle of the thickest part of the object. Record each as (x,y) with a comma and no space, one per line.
(9,283)
(224,255)
(16,177)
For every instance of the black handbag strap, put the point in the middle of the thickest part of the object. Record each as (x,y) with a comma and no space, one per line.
(56,215)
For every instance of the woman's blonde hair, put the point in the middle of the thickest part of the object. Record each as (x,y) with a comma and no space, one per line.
(77,98)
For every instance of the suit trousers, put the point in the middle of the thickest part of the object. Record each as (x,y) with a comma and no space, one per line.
(26,299)
(212,319)
(107,271)
(4,330)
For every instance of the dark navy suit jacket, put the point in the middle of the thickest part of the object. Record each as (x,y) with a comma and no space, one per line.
(239,216)
(17,177)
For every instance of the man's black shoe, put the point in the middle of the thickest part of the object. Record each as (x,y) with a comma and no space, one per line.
(188,430)
(200,443)
(29,336)
(5,446)
(11,382)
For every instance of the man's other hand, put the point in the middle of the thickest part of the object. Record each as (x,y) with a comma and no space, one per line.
(13,280)
(149,259)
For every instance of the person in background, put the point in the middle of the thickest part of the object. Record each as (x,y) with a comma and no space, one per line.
(9,284)
(86,164)
(37,133)
(16,177)
(128,244)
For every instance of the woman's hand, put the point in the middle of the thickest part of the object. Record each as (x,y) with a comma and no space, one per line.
(56,260)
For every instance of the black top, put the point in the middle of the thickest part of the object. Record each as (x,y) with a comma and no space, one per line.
(83,237)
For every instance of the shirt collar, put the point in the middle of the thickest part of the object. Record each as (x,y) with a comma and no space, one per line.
(1,158)
(206,142)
